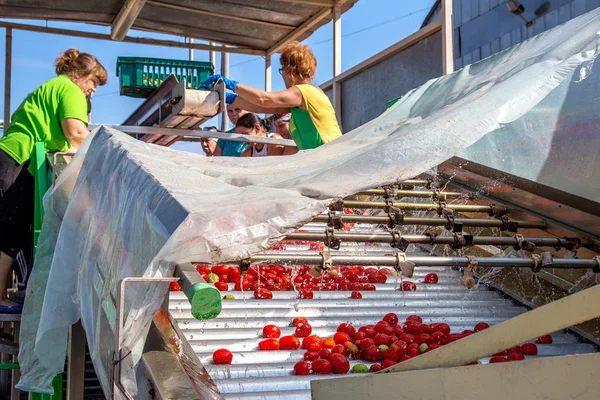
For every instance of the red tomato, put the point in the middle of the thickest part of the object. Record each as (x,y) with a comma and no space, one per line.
(415,318)
(302,368)
(310,340)
(341,337)
(321,367)
(454,337)
(339,349)
(408,286)
(516,357)
(439,338)
(222,357)
(328,343)
(546,339)
(242,284)
(367,287)
(466,332)
(360,335)
(262,293)
(369,330)
(289,343)
(431,278)
(498,359)
(299,321)
(480,326)
(377,277)
(529,349)
(346,328)
(387,363)
(427,328)
(219,269)
(271,332)
(423,338)
(324,353)
(223,278)
(339,363)
(444,328)
(432,346)
(375,368)
(306,294)
(366,343)
(413,327)
(311,355)
(233,274)
(381,338)
(303,330)
(407,337)
(316,246)
(269,344)
(391,318)
(355,295)
(398,330)
(174,287)
(222,286)
(371,353)
(203,269)
(384,327)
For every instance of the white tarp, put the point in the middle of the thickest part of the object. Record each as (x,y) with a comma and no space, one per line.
(137,209)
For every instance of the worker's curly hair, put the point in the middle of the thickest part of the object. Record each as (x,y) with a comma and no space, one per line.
(299,61)
(75,65)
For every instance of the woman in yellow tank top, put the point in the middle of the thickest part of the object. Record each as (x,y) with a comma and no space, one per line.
(313,121)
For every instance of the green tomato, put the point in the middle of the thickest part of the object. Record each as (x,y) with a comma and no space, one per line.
(333,271)
(423,348)
(383,347)
(228,297)
(213,278)
(360,369)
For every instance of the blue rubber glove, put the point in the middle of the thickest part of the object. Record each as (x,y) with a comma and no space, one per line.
(230,97)
(209,82)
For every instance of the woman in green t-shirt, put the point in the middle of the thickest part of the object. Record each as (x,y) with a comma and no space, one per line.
(55,114)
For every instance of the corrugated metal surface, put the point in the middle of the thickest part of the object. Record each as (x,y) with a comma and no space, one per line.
(262,375)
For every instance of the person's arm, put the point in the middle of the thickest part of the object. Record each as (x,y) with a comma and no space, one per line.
(247,152)
(275,149)
(246,105)
(75,131)
(288,98)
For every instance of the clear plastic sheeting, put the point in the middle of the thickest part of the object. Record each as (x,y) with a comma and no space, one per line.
(137,209)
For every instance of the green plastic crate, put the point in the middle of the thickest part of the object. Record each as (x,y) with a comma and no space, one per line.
(139,76)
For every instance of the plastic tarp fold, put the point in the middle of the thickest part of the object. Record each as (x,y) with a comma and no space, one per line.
(125,208)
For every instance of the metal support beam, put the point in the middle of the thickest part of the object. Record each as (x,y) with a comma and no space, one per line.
(413,193)
(384,220)
(447,38)
(7,77)
(129,39)
(219,15)
(225,73)
(125,19)
(191,55)
(268,73)
(212,55)
(387,237)
(493,210)
(390,261)
(337,63)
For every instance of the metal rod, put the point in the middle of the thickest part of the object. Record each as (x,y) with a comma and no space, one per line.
(225,73)
(383,220)
(413,182)
(212,55)
(7,78)
(390,261)
(196,133)
(447,38)
(413,193)
(387,237)
(423,206)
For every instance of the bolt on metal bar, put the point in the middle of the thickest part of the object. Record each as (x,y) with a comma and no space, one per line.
(391,261)
(383,220)
(413,193)
(425,207)
(387,237)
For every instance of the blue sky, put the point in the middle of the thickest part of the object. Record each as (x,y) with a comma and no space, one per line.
(367,28)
